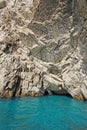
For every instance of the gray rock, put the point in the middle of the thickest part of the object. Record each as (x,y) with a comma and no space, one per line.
(3,4)
(43,48)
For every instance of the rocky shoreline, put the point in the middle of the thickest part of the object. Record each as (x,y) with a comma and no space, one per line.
(43,48)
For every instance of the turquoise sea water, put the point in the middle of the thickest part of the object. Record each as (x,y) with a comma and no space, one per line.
(43,113)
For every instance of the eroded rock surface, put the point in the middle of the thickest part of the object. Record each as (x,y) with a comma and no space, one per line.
(43,48)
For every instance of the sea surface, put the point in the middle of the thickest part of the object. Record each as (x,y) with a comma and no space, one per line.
(43,113)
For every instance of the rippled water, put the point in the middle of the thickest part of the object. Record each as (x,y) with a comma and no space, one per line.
(43,113)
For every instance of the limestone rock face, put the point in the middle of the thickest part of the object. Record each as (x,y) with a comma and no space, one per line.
(2,4)
(43,48)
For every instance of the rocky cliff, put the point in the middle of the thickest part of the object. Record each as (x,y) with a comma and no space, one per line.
(43,48)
